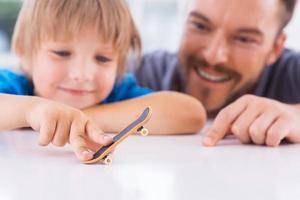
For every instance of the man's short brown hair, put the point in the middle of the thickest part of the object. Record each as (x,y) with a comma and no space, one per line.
(287,12)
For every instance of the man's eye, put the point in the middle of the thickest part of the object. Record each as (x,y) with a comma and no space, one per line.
(245,40)
(103,59)
(200,26)
(62,53)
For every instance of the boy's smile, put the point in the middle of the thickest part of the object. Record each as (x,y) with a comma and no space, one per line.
(76,91)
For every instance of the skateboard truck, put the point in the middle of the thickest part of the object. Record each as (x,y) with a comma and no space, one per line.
(143,131)
(107,160)
(103,154)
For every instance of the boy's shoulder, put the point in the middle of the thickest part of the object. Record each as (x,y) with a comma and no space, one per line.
(12,82)
(126,88)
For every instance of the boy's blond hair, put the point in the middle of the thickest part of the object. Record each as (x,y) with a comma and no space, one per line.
(40,20)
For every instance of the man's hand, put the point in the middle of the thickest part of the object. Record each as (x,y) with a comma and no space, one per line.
(256,120)
(59,124)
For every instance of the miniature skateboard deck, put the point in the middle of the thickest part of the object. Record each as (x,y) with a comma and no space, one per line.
(137,126)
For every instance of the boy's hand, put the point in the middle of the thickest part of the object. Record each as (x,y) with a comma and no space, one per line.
(257,120)
(59,124)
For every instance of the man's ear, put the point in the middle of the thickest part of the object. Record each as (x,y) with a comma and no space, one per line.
(277,48)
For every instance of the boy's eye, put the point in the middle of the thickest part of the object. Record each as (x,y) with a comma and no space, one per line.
(62,53)
(103,59)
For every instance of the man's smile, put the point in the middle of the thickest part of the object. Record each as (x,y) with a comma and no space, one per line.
(212,75)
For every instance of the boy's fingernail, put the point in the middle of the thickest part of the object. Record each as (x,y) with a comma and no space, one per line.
(86,155)
(107,138)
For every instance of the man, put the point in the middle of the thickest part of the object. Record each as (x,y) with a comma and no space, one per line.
(232,59)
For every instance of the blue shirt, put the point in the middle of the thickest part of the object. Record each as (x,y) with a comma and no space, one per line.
(19,84)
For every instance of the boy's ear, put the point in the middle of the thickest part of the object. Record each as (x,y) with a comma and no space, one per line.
(19,49)
(24,62)
(277,48)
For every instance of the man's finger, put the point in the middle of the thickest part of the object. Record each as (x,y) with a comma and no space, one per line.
(240,127)
(258,129)
(277,132)
(223,122)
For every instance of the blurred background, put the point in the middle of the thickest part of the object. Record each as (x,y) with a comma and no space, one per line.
(159,21)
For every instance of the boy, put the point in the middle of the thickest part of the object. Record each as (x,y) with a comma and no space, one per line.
(72,57)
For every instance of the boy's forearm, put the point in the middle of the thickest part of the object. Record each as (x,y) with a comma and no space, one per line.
(172,113)
(13,111)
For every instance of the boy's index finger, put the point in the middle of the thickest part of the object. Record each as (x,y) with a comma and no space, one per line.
(97,135)
(80,148)
(77,139)
(223,122)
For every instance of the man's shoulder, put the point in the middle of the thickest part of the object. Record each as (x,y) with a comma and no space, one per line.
(288,58)
(159,61)
(286,68)
(281,80)
(157,70)
(161,56)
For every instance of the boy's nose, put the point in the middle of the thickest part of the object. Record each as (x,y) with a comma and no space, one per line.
(81,73)
(216,51)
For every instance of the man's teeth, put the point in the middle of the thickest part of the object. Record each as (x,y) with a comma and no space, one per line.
(211,77)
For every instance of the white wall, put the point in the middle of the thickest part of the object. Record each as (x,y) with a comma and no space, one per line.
(160,24)
(293,30)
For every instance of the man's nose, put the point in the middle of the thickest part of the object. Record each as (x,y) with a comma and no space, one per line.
(216,51)
(81,71)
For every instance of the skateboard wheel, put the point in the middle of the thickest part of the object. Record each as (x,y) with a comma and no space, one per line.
(108,160)
(144,132)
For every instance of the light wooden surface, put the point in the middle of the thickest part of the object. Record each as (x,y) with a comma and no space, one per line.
(149,168)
